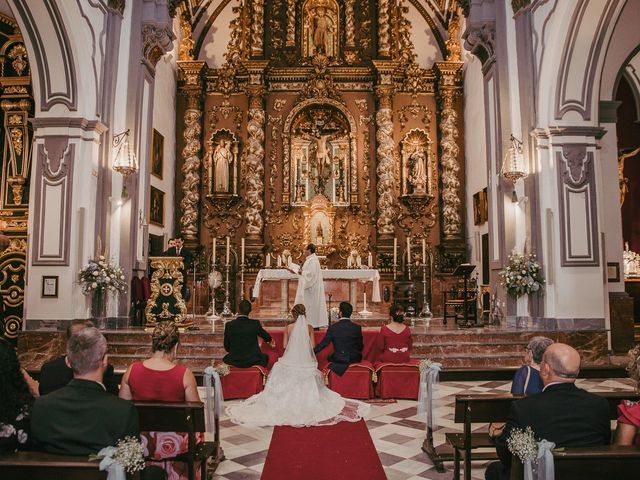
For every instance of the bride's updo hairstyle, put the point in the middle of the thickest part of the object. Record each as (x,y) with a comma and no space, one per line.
(298,310)
(165,336)
(397,313)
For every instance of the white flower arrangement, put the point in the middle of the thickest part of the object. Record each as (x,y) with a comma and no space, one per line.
(425,364)
(334,313)
(523,444)
(128,452)
(522,275)
(100,275)
(222,369)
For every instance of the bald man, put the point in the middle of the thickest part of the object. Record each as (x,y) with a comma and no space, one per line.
(562,413)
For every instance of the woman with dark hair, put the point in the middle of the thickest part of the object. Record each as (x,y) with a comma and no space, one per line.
(15,401)
(159,378)
(393,342)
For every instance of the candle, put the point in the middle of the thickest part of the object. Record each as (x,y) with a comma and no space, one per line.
(349,261)
(242,251)
(268,260)
(424,251)
(395,250)
(370,260)
(365,302)
(228,250)
(408,250)
(279,261)
(358,261)
(213,254)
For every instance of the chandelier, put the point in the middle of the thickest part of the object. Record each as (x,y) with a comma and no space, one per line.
(513,167)
(124,160)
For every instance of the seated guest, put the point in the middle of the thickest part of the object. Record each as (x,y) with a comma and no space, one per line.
(55,373)
(346,337)
(393,342)
(241,340)
(158,378)
(526,380)
(628,429)
(562,413)
(16,401)
(296,311)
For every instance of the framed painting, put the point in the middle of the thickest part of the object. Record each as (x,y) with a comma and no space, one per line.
(484,205)
(157,154)
(49,286)
(477,209)
(613,272)
(156,207)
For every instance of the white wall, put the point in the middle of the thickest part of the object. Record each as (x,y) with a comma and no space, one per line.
(215,45)
(426,48)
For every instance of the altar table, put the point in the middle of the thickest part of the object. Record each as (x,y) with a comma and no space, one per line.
(352,275)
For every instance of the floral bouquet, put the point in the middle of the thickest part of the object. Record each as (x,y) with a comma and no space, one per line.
(523,444)
(101,276)
(522,275)
(334,313)
(222,369)
(425,364)
(128,453)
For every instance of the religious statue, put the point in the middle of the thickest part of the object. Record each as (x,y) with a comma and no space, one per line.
(319,235)
(222,160)
(622,180)
(321,30)
(418,168)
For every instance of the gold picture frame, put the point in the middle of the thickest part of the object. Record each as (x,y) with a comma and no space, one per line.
(156,207)
(157,154)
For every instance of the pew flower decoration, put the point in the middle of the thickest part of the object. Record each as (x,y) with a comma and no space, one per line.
(128,454)
(522,275)
(523,444)
(101,276)
(425,364)
(222,369)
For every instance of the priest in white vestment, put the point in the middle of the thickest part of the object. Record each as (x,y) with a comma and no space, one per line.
(311,289)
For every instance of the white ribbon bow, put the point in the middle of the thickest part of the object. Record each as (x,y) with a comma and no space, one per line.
(214,406)
(115,470)
(428,377)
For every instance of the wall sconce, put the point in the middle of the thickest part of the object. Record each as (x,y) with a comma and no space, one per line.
(513,167)
(124,160)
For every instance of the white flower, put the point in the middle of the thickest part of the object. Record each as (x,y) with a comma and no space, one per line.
(101,257)
(95,273)
(7,430)
(94,285)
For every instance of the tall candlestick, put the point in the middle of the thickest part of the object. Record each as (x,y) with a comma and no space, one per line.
(424,251)
(213,254)
(395,250)
(408,250)
(267,262)
(227,250)
(242,251)
(370,260)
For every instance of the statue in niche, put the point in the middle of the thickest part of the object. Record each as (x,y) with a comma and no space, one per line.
(417,164)
(320,28)
(222,161)
(418,167)
(319,235)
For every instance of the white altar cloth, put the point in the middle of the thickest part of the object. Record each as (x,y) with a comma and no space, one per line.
(364,275)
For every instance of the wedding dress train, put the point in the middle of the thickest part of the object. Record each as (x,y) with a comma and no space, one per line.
(295,393)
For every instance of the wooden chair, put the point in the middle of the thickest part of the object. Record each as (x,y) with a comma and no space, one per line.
(183,417)
(48,466)
(603,462)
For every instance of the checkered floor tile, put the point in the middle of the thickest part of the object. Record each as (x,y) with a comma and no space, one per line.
(396,431)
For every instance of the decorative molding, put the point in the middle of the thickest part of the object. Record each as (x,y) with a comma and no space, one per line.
(577,204)
(386,159)
(254,162)
(257,28)
(479,39)
(117,5)
(384,41)
(569,131)
(53,199)
(157,39)
(608,111)
(191,172)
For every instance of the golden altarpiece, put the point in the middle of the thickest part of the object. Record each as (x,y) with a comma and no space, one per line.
(321,127)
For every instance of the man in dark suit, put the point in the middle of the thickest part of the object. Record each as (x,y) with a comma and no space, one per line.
(55,373)
(241,340)
(346,337)
(562,413)
(179,250)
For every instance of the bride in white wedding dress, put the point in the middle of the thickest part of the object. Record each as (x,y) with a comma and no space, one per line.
(295,393)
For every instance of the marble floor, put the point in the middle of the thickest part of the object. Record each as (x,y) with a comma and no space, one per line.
(396,431)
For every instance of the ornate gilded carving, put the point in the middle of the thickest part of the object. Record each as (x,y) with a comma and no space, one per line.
(404,52)
(157,39)
(236,50)
(224,110)
(453,42)
(451,188)
(417,80)
(418,179)
(276,124)
(191,172)
(320,28)
(254,161)
(365,121)
(414,109)
(257,28)
(17,188)
(320,85)
(279,103)
(623,182)
(186,43)
(479,39)
(16,140)
(384,42)
(386,163)
(18,55)
(166,302)
(349,23)
(362,105)
(291,23)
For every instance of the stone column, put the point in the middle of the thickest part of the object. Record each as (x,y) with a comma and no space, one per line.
(291,23)
(384,39)
(190,77)
(350,29)
(254,162)
(257,28)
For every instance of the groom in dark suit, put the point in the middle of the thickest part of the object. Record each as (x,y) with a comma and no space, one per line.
(241,340)
(562,413)
(346,337)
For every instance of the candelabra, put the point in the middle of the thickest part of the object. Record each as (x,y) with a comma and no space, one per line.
(226,310)
(425,312)
(242,281)
(395,271)
(211,314)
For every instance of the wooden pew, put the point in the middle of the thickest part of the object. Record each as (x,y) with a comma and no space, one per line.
(48,466)
(487,408)
(183,417)
(591,463)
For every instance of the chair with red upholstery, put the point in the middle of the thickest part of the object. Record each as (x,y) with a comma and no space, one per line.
(243,382)
(354,383)
(398,380)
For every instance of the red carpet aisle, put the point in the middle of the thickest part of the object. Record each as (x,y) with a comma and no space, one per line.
(338,451)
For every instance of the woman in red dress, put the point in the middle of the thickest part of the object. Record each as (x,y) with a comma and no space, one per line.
(628,429)
(393,342)
(158,378)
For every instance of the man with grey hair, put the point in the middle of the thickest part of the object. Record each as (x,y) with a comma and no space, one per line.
(562,413)
(81,418)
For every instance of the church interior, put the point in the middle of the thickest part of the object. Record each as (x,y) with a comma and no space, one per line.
(476,162)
